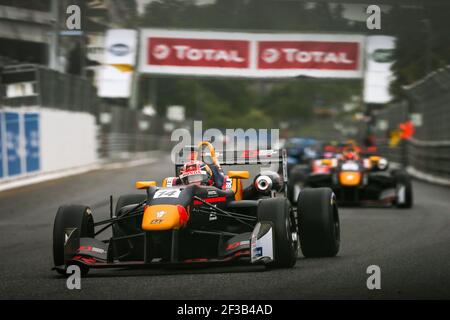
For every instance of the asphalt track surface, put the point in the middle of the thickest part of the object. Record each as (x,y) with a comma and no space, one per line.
(412,248)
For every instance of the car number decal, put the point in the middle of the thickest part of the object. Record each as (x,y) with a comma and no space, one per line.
(167,193)
(169,182)
(228,184)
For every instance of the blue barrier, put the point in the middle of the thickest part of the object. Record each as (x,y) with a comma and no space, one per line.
(19,143)
(13,143)
(32,136)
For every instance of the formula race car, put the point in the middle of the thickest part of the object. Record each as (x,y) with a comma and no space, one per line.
(301,151)
(358,180)
(185,222)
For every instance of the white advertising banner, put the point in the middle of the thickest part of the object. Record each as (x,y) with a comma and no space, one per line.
(114,78)
(378,74)
(251,55)
(120,45)
(113,83)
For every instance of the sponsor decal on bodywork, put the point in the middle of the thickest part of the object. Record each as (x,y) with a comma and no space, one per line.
(210,200)
(262,243)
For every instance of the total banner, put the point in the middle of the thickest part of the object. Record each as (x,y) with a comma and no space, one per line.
(251,55)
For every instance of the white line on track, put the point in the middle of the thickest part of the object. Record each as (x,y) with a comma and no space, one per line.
(26,181)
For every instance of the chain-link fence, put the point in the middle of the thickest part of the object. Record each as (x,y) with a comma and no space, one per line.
(33,85)
(429,150)
(427,153)
(387,121)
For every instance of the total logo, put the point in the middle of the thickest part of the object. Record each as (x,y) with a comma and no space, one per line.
(290,55)
(185,52)
(271,55)
(161,52)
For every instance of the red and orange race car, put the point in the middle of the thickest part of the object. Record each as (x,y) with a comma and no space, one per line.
(191,221)
(361,180)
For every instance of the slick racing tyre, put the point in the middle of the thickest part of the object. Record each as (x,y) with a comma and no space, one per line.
(318,219)
(132,248)
(404,193)
(278,211)
(71,216)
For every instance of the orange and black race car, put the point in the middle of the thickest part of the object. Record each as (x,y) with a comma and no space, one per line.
(183,223)
(360,180)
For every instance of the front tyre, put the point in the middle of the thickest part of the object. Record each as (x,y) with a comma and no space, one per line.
(71,216)
(278,212)
(318,219)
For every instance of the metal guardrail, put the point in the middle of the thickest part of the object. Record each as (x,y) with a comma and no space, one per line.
(432,159)
(116,144)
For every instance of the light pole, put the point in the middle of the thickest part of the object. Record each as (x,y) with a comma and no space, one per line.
(1,83)
(54,36)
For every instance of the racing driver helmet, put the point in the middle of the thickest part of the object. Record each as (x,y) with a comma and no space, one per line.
(350,155)
(196,172)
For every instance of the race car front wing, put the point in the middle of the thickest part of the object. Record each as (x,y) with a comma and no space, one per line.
(256,247)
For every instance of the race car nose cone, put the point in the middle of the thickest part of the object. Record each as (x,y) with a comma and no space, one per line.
(162,217)
(350,178)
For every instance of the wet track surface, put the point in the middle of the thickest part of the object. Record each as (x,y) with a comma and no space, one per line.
(412,248)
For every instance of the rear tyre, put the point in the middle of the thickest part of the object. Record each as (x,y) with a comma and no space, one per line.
(133,248)
(318,220)
(71,216)
(278,211)
(403,180)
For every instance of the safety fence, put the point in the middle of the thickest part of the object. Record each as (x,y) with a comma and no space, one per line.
(387,121)
(53,121)
(33,85)
(427,153)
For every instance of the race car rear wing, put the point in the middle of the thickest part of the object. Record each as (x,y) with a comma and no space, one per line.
(233,158)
